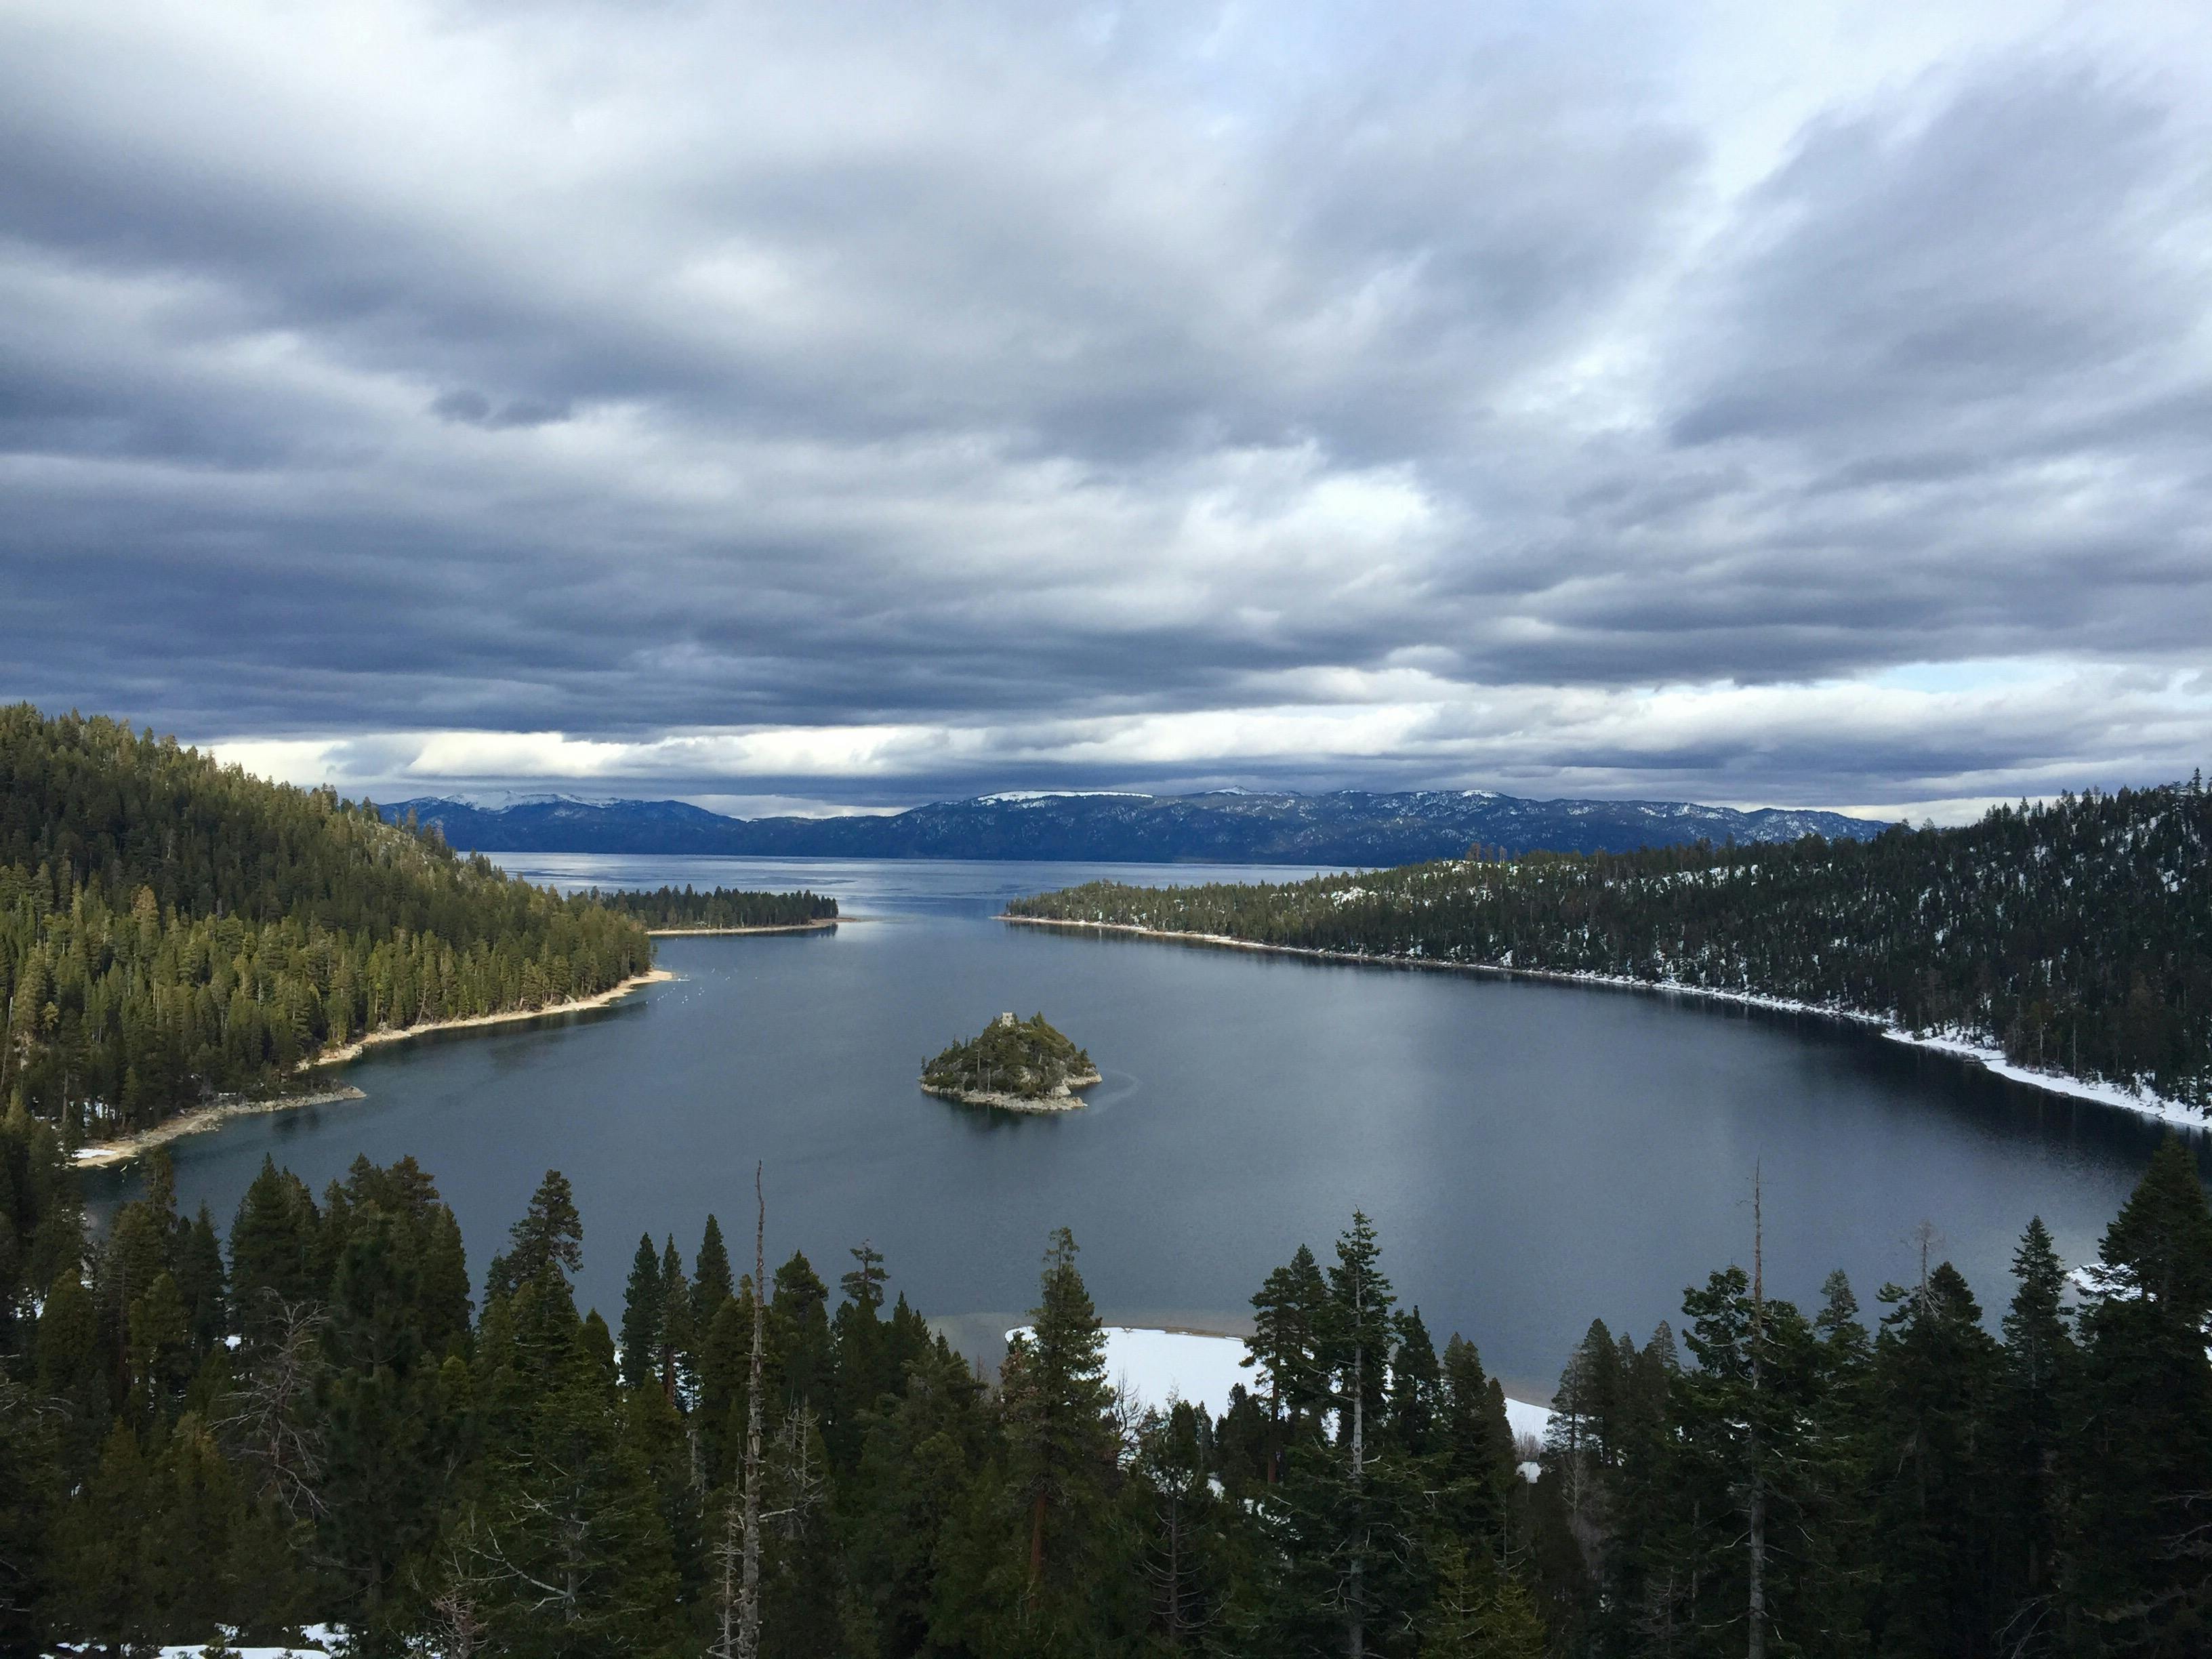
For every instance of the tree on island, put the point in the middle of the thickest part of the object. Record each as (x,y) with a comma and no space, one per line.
(1019,1059)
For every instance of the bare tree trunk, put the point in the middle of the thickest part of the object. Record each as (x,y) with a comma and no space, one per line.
(1274,1426)
(727,1553)
(1355,1629)
(1037,1540)
(749,1590)
(1175,1573)
(1757,1607)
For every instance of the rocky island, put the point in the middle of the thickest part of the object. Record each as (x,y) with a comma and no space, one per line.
(1017,1065)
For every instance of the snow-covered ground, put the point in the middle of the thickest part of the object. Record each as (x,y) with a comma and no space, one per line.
(317,1640)
(1525,1421)
(1160,1365)
(2147,1102)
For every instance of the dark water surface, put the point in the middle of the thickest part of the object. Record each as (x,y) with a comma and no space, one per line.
(1534,1155)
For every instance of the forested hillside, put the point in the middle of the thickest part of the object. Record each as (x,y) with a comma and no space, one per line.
(2076,936)
(172,928)
(321,1424)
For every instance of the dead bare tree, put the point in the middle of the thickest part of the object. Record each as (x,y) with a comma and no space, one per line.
(455,1597)
(749,1585)
(793,1483)
(563,1520)
(729,1557)
(1756,1499)
(265,1423)
(797,1479)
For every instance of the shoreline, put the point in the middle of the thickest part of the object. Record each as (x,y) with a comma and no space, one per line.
(106,1154)
(817,926)
(354,1050)
(2157,1107)
(1062,1099)
(103,1154)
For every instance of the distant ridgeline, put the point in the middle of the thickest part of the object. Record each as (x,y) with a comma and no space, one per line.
(1346,826)
(171,928)
(2076,936)
(724,907)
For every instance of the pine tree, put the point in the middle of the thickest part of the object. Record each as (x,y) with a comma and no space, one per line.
(643,1317)
(678,1354)
(571,1549)
(550,1235)
(445,1282)
(1644,1566)
(866,1369)
(914,1466)
(1579,1449)
(711,1281)
(1284,1347)
(1745,1410)
(799,1311)
(1054,1393)
(1475,1462)
(1347,1515)
(1927,1427)
(1480,1612)
(200,1283)
(98,1587)
(71,1369)
(2032,1421)
(272,1250)
(2142,1463)
(1187,1556)
(1416,1387)
(31,1479)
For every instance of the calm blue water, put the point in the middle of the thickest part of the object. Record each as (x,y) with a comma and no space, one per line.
(1534,1155)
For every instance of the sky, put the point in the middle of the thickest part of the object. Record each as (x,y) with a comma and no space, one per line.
(834,407)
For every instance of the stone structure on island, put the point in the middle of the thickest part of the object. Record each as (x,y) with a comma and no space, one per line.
(1017,1064)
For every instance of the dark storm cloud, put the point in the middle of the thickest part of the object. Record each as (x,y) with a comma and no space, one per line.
(1156,396)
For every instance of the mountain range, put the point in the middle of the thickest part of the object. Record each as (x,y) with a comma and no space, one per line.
(1346,826)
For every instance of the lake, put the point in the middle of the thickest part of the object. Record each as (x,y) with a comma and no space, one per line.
(1534,1155)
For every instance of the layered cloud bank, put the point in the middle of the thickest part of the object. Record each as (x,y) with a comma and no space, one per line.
(859,405)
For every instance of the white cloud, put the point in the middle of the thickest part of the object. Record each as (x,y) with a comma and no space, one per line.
(826,403)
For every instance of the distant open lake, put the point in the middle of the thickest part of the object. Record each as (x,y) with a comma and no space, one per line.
(1534,1155)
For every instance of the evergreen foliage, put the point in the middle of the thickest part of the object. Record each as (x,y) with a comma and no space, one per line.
(172,929)
(674,909)
(312,1421)
(2076,936)
(1024,1059)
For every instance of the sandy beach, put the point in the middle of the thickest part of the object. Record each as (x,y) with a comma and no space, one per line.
(100,1154)
(354,1050)
(724,932)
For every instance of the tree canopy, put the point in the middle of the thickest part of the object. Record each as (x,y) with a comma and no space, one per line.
(311,1415)
(172,928)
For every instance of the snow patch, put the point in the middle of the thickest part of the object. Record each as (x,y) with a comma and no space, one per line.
(1031,797)
(2146,1102)
(1524,1419)
(315,1641)
(1160,1365)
